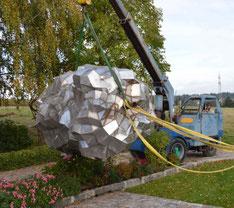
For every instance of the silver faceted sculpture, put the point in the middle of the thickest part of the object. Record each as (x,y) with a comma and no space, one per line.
(83,112)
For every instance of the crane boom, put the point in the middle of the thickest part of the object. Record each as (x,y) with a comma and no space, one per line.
(164,98)
(138,42)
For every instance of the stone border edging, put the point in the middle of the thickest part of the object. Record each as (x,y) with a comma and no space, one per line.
(128,183)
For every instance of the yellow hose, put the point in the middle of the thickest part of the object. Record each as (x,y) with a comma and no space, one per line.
(84,2)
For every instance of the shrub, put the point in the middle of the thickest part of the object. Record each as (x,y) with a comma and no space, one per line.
(110,174)
(24,158)
(13,136)
(173,158)
(85,170)
(125,169)
(141,167)
(82,168)
(159,140)
(70,186)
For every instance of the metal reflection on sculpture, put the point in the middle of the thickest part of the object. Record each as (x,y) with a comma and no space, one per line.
(83,112)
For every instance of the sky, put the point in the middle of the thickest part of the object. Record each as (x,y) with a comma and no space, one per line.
(199,44)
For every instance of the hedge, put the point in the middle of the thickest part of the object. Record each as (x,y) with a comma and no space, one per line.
(24,158)
(13,137)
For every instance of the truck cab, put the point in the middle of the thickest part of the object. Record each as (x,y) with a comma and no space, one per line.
(195,116)
(202,114)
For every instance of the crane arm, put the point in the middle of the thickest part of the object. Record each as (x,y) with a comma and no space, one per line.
(164,98)
(138,42)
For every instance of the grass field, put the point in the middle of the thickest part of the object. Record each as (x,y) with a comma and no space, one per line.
(22,116)
(210,189)
(228,125)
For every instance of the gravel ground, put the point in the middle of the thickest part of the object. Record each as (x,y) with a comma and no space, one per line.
(198,156)
(120,199)
(12,175)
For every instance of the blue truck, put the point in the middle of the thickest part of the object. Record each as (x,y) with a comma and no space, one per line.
(193,114)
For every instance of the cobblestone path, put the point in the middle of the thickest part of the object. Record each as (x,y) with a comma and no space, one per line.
(121,199)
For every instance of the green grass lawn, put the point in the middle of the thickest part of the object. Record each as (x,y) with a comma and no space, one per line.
(228,125)
(23,115)
(211,189)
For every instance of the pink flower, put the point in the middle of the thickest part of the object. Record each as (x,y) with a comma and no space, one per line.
(68,157)
(38,175)
(23,205)
(43,189)
(20,196)
(33,200)
(35,184)
(17,188)
(52,201)
(14,193)
(10,185)
(18,181)
(32,190)
(50,176)
(12,205)
(44,179)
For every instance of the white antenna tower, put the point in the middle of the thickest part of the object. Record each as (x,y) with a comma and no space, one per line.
(219,87)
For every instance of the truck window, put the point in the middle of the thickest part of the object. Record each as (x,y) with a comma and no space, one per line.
(191,106)
(209,106)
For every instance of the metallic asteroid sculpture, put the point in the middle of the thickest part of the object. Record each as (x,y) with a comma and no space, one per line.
(82,112)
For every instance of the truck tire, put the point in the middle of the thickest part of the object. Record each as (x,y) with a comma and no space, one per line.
(209,151)
(181,145)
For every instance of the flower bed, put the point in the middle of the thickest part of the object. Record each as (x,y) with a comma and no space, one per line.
(40,190)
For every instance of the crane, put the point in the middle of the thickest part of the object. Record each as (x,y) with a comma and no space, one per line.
(194,114)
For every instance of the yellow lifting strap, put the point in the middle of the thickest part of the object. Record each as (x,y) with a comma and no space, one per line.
(84,2)
(173,127)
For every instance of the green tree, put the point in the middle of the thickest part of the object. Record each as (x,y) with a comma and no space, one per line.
(228,102)
(39,39)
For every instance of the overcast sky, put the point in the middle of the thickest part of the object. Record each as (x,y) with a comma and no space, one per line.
(199,44)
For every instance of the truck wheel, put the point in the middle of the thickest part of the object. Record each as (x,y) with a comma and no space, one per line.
(209,151)
(181,145)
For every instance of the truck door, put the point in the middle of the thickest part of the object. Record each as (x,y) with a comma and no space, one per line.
(189,117)
(209,118)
